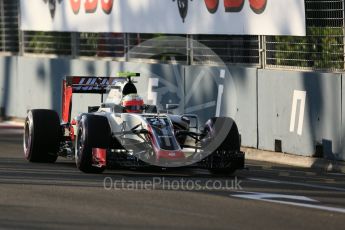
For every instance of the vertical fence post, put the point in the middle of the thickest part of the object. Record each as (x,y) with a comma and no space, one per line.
(262,51)
(3,39)
(343,5)
(21,41)
(75,44)
(126,46)
(189,49)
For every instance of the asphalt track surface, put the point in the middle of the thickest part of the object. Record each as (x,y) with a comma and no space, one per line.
(58,196)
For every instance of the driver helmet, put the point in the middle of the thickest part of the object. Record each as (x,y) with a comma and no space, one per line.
(132,103)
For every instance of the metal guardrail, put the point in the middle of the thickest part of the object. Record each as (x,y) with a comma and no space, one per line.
(321,49)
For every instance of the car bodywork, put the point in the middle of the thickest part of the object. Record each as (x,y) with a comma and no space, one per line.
(153,137)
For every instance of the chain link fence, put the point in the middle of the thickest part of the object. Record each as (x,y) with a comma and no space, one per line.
(101,45)
(157,48)
(50,43)
(9,40)
(321,49)
(241,50)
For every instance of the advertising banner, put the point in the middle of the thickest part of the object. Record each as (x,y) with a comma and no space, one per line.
(235,17)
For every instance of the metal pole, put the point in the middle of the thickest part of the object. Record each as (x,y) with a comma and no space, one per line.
(343,4)
(262,51)
(75,44)
(3,35)
(191,48)
(126,46)
(21,44)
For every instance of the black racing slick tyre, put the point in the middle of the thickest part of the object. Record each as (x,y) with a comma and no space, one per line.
(222,133)
(42,135)
(93,132)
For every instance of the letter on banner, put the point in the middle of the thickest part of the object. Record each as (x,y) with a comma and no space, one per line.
(75,4)
(107,6)
(91,6)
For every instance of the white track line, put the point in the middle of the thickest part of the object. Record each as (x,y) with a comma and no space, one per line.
(297,183)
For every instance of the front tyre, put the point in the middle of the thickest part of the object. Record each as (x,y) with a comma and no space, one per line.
(42,136)
(221,133)
(93,132)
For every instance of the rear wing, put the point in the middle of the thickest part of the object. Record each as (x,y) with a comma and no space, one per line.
(88,85)
(94,84)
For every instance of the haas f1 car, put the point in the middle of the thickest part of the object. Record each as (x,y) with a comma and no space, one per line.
(125,132)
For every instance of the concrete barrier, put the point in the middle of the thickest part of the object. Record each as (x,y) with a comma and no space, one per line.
(284,111)
(300,112)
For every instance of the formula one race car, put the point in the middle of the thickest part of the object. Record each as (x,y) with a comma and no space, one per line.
(125,132)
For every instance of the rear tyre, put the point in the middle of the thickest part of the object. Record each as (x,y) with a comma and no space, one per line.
(42,135)
(222,133)
(93,132)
